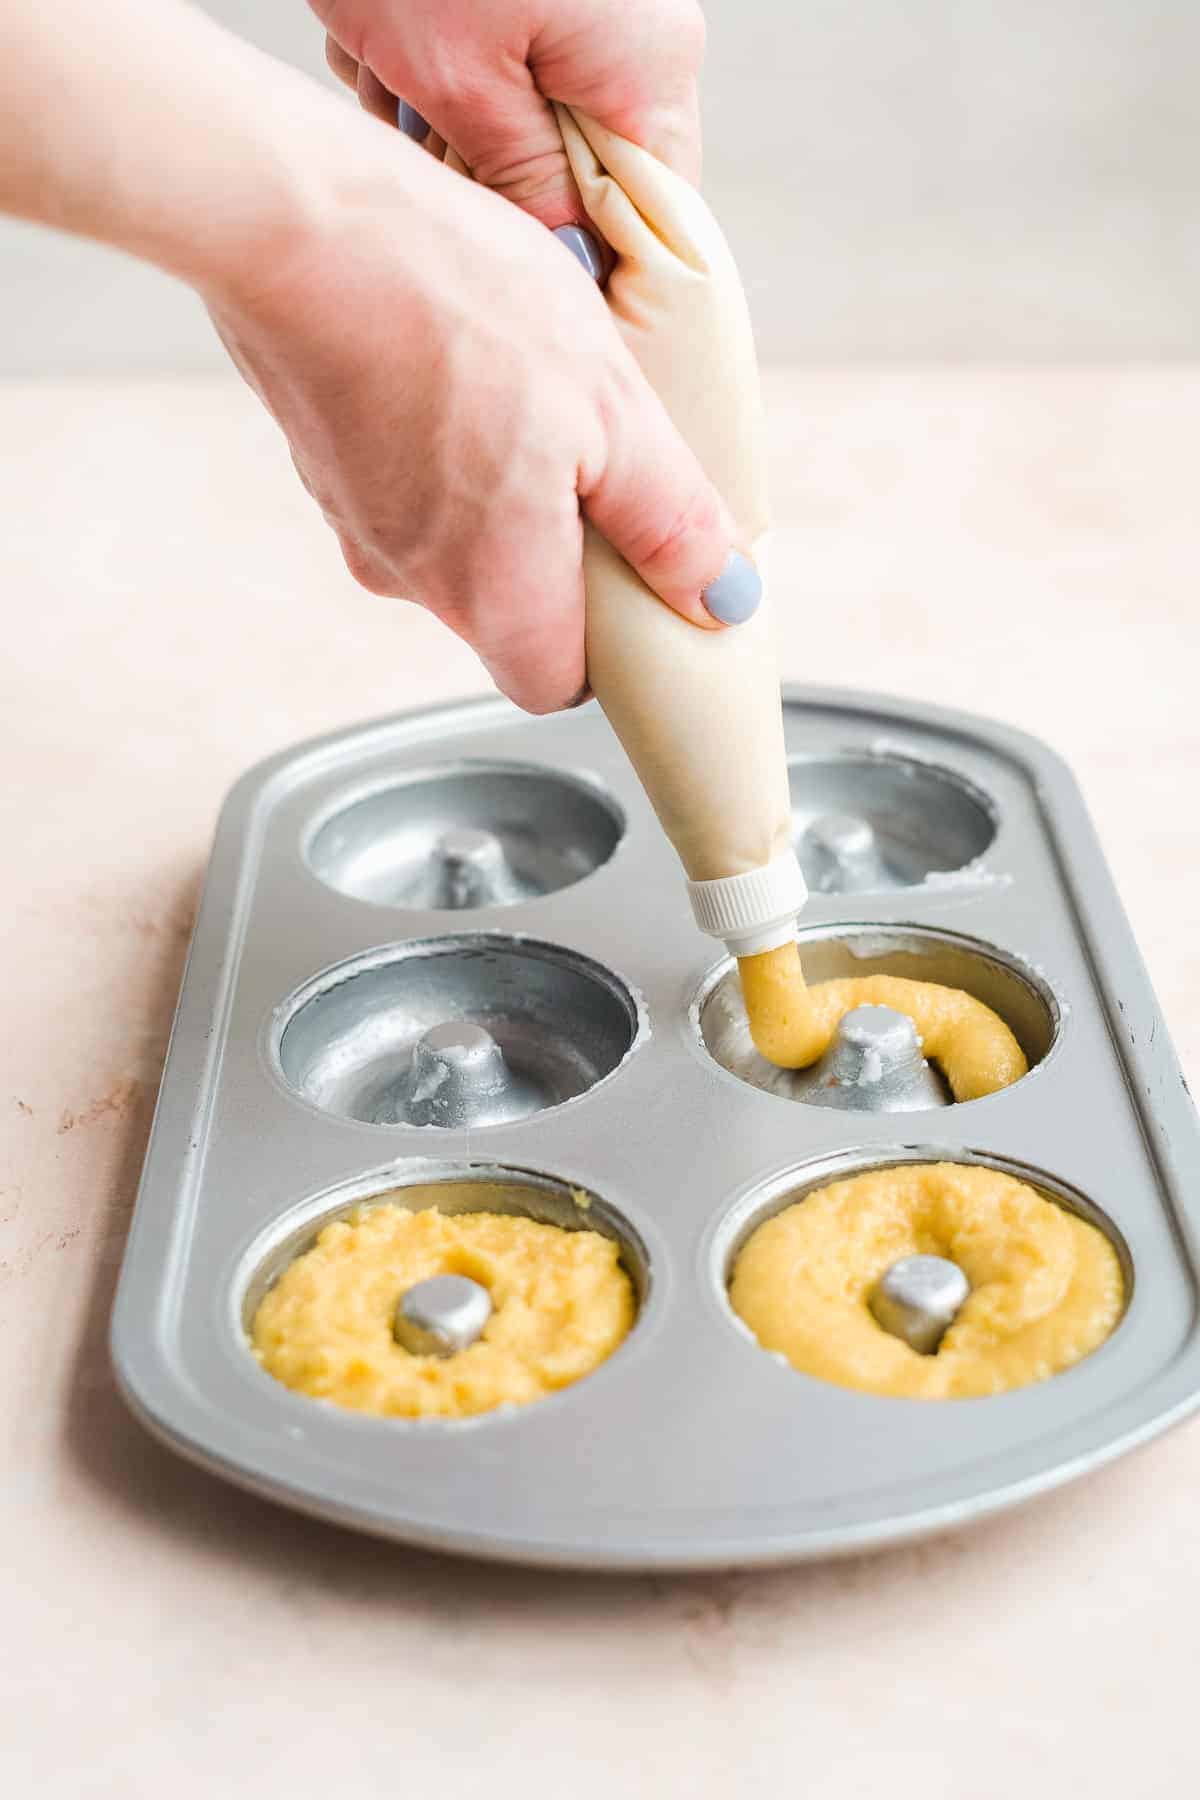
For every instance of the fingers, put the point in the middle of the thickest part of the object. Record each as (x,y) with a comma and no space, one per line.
(658,509)
(506,133)
(490,110)
(414,126)
(341,63)
(585,247)
(672,134)
(498,122)
(524,619)
(528,627)
(374,98)
(634,69)
(539,663)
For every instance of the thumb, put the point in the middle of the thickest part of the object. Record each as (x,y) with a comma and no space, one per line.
(658,509)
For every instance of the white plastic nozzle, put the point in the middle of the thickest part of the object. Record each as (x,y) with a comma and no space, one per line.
(751,912)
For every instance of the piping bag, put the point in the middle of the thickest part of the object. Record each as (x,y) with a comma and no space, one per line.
(698,713)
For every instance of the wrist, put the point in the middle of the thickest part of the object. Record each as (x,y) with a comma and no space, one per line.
(246,177)
(295,178)
(176,142)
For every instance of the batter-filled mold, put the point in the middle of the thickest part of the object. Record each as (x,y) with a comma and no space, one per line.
(912,1019)
(926,1279)
(445,1297)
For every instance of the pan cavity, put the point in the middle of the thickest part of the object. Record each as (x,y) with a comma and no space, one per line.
(415,1302)
(866,823)
(455,1033)
(876,1059)
(856,1270)
(452,1188)
(467,835)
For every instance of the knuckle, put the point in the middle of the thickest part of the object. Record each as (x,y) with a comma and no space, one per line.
(366,568)
(538,181)
(455,84)
(344,25)
(539,667)
(306,482)
(340,62)
(536,701)
(665,543)
(512,681)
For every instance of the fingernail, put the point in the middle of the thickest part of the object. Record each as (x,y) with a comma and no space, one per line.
(734,596)
(411,123)
(583,246)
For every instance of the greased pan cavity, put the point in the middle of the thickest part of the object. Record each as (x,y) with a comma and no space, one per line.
(333,898)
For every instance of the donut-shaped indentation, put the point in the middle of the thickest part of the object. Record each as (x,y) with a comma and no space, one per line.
(833,1028)
(971,1045)
(540,1304)
(866,821)
(1045,1286)
(467,835)
(461,1032)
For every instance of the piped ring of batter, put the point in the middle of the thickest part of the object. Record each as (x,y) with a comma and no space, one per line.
(1046,1286)
(792,1025)
(561,1303)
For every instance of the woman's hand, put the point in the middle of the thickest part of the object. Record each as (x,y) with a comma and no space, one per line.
(482,73)
(452,388)
(454,392)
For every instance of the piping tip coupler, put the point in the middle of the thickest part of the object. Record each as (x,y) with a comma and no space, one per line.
(754,911)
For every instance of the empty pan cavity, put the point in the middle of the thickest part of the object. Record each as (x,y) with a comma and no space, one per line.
(456,1032)
(865,823)
(874,1062)
(467,835)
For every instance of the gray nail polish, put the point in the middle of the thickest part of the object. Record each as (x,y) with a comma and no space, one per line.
(582,245)
(411,123)
(734,596)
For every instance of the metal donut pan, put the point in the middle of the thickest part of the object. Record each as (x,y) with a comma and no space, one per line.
(689,1447)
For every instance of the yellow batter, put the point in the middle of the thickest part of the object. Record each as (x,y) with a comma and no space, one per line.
(1046,1287)
(792,1025)
(561,1304)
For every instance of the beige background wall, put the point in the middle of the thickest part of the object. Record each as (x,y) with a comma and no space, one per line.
(903,179)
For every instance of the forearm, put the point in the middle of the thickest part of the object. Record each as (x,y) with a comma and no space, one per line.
(451,384)
(142,123)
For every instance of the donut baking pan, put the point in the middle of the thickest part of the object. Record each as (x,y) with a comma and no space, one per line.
(449,958)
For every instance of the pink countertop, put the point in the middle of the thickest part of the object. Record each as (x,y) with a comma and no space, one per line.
(1024,544)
